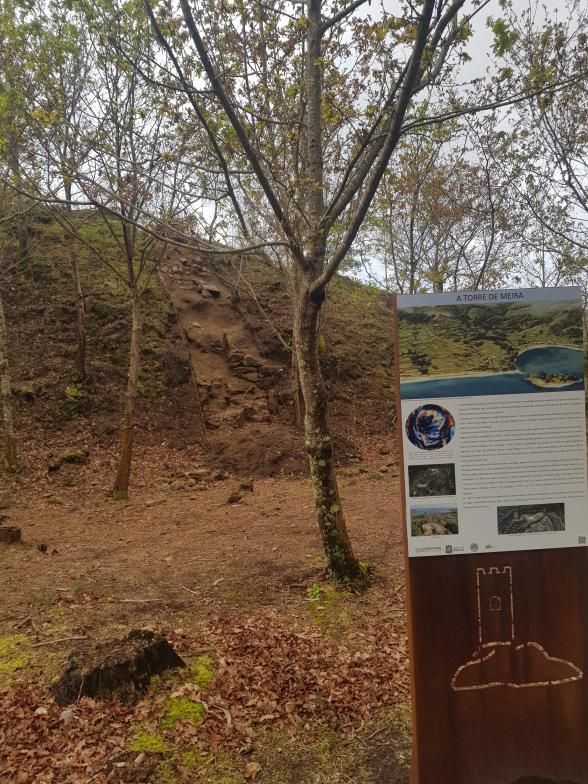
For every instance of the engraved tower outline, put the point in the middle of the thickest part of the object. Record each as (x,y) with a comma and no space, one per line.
(499,660)
(495,605)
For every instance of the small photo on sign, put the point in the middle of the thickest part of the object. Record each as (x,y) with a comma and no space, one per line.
(531,518)
(431,480)
(433,520)
(430,426)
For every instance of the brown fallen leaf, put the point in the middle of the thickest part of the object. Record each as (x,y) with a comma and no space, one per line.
(252,770)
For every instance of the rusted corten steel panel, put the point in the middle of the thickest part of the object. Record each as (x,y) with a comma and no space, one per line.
(500,694)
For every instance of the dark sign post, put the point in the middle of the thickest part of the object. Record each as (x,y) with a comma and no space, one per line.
(491,416)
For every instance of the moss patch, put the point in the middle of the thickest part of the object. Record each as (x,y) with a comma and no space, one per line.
(202,671)
(182,709)
(329,607)
(74,392)
(147,742)
(15,654)
(75,456)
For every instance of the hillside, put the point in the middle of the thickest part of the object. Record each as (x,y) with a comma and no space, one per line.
(215,386)
(217,546)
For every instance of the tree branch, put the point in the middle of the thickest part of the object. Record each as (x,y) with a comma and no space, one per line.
(498,104)
(390,142)
(189,92)
(338,17)
(210,248)
(242,135)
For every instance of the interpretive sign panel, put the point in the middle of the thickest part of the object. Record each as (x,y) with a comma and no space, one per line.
(492,432)
(492,402)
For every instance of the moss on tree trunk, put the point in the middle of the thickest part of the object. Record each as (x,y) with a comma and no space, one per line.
(341,561)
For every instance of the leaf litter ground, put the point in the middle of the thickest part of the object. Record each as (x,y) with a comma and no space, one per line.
(290,679)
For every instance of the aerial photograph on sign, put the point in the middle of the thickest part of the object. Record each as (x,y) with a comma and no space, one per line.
(431,480)
(433,520)
(491,349)
(531,518)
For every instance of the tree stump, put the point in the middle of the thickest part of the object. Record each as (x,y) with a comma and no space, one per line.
(119,669)
(10,534)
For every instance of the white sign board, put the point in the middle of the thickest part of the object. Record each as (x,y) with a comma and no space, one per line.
(493,406)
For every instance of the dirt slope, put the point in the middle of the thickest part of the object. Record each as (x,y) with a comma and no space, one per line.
(242,396)
(215,385)
(237,328)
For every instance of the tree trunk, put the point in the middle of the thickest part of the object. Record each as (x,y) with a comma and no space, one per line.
(22,229)
(81,317)
(121,484)
(9,439)
(67,187)
(295,390)
(341,562)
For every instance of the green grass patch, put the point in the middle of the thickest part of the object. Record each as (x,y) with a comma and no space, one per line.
(75,456)
(380,753)
(192,759)
(314,593)
(75,392)
(223,768)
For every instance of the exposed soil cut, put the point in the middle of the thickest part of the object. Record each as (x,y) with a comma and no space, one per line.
(239,359)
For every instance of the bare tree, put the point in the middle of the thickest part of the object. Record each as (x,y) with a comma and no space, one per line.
(80,313)
(115,154)
(287,96)
(126,172)
(546,158)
